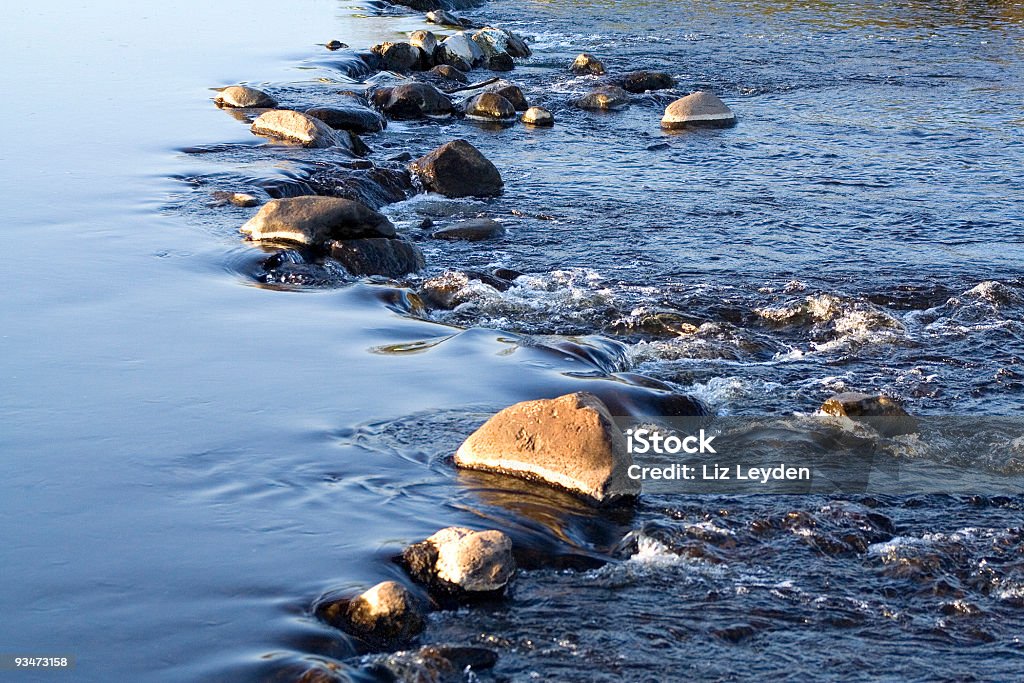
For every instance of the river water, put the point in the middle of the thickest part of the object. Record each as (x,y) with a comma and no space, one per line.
(192,457)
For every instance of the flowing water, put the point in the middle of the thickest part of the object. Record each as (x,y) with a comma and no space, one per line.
(196,449)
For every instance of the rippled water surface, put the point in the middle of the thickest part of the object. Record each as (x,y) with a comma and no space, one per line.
(192,455)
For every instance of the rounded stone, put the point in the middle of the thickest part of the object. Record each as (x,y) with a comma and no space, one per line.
(299,128)
(460,46)
(475,561)
(458,169)
(642,81)
(314,220)
(387,612)
(242,97)
(353,117)
(424,40)
(490,106)
(412,100)
(335,45)
(604,98)
(570,442)
(397,56)
(450,73)
(701,108)
(587,64)
(538,116)
(472,230)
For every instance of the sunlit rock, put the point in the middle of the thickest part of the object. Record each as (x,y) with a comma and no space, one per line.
(315,220)
(241,96)
(697,109)
(462,562)
(458,169)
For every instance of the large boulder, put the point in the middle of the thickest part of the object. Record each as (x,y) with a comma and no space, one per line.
(473,230)
(314,220)
(460,48)
(697,109)
(377,256)
(458,169)
(604,98)
(461,562)
(386,615)
(412,101)
(642,81)
(298,128)
(242,96)
(587,64)
(538,116)
(490,106)
(352,117)
(397,56)
(570,442)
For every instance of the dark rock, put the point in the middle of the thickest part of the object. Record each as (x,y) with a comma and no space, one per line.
(412,100)
(374,186)
(377,256)
(642,81)
(883,413)
(497,41)
(473,230)
(538,116)
(401,157)
(458,169)
(445,18)
(241,96)
(450,73)
(315,220)
(490,106)
(512,93)
(397,56)
(478,658)
(385,616)
(587,65)
(697,109)
(502,62)
(335,45)
(460,47)
(604,98)
(506,274)
(570,442)
(352,117)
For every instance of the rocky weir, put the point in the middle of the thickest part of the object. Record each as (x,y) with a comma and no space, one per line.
(329,226)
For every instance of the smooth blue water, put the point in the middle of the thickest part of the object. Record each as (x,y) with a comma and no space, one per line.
(190,460)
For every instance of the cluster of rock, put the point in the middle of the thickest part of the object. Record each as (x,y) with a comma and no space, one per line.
(489,47)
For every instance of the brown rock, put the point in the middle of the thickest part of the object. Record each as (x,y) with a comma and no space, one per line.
(450,73)
(314,220)
(490,106)
(458,169)
(570,442)
(296,127)
(883,413)
(538,116)
(642,81)
(604,98)
(397,56)
(387,613)
(462,561)
(412,101)
(377,256)
(697,109)
(242,96)
(587,65)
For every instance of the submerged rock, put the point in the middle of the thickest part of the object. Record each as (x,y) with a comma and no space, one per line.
(412,100)
(538,116)
(302,129)
(352,117)
(642,81)
(697,109)
(242,96)
(386,614)
(883,413)
(377,256)
(587,65)
(445,18)
(397,56)
(333,45)
(462,563)
(490,106)
(315,220)
(450,73)
(433,664)
(570,442)
(473,230)
(604,98)
(458,169)
(237,198)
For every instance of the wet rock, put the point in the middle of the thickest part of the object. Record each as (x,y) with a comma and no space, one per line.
(697,109)
(377,256)
(883,413)
(460,47)
(374,186)
(462,563)
(642,81)
(458,169)
(495,42)
(450,73)
(490,106)
(352,117)
(448,290)
(397,56)
(299,128)
(517,45)
(570,442)
(335,45)
(473,230)
(236,198)
(510,92)
(604,98)
(502,62)
(538,116)
(424,40)
(385,614)
(433,664)
(319,674)
(587,65)
(411,101)
(315,220)
(241,97)
(445,18)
